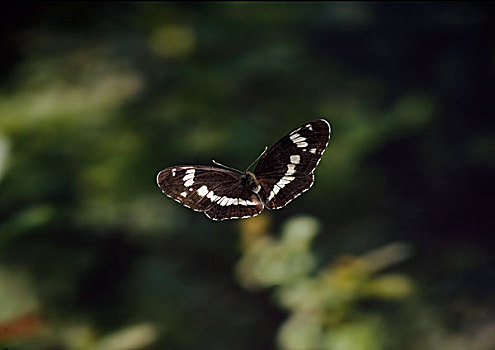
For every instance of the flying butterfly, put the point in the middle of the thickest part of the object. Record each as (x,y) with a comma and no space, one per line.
(282,173)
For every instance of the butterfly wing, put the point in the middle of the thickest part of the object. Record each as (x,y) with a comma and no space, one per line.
(286,170)
(236,203)
(218,193)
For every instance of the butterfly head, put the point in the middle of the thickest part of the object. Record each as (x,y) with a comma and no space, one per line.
(251,182)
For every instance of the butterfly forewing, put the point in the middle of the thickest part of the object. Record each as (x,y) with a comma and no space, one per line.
(217,192)
(286,170)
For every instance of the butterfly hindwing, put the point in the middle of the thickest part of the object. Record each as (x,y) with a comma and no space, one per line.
(276,194)
(237,203)
(286,170)
(217,192)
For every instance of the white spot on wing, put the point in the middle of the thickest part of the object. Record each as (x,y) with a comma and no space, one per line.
(202,191)
(212,196)
(184,194)
(295,159)
(299,139)
(222,201)
(225,201)
(294,136)
(282,182)
(291,169)
(189,178)
(312,150)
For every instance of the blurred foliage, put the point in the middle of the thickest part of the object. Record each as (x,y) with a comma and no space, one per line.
(95,99)
(325,311)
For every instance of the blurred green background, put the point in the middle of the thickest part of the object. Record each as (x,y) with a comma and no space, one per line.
(391,249)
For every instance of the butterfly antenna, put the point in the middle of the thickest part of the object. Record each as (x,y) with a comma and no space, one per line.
(261,155)
(226,167)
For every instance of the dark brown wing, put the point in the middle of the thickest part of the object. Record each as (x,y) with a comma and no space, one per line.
(234,203)
(286,170)
(218,193)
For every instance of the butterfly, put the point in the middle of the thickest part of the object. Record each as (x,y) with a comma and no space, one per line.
(282,173)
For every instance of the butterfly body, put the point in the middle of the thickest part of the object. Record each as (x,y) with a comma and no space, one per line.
(283,173)
(251,182)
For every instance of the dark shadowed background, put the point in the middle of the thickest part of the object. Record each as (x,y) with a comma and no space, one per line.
(392,248)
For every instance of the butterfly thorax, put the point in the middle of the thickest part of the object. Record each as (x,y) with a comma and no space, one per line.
(251,182)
